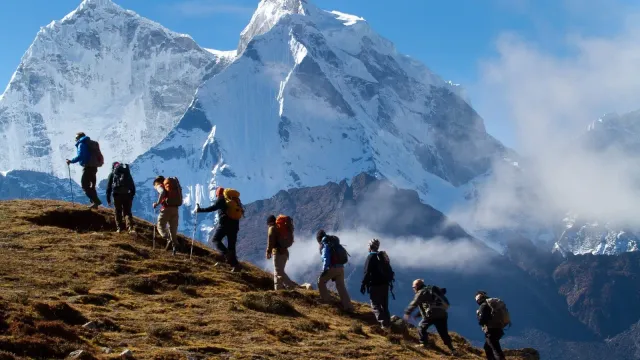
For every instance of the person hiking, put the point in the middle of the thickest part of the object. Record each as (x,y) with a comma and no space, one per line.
(433,305)
(120,184)
(169,214)
(332,268)
(229,211)
(378,277)
(90,159)
(492,326)
(277,247)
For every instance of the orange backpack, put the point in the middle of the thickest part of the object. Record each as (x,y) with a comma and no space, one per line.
(284,226)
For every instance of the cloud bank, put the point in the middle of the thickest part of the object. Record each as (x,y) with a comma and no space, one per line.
(406,253)
(549,99)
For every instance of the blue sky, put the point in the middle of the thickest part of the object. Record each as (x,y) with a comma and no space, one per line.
(452,37)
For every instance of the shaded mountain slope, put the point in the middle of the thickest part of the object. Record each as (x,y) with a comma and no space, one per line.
(63,266)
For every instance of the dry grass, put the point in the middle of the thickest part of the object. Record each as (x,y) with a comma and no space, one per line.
(63,266)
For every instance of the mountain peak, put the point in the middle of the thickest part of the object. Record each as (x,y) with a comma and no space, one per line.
(96,4)
(267,15)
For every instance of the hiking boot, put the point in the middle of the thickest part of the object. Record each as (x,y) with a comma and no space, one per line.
(132,231)
(118,231)
(236,268)
(93,206)
(454,353)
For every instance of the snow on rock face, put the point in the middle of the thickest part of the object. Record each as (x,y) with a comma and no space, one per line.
(24,184)
(120,78)
(617,135)
(581,237)
(315,96)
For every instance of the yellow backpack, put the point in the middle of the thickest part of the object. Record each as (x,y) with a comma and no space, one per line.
(235,210)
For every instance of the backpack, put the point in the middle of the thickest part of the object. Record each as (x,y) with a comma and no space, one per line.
(174,192)
(95,155)
(439,299)
(500,317)
(385,267)
(339,255)
(122,181)
(284,226)
(235,210)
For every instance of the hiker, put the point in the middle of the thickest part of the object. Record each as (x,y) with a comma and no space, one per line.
(334,256)
(279,239)
(433,306)
(492,323)
(169,199)
(378,279)
(230,211)
(90,158)
(121,184)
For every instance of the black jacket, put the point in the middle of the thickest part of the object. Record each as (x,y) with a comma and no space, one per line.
(132,186)
(484,314)
(221,207)
(373,271)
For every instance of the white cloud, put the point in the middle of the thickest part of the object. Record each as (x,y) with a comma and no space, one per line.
(549,99)
(408,253)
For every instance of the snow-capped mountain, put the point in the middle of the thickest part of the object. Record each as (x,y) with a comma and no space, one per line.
(317,96)
(122,79)
(616,136)
(25,184)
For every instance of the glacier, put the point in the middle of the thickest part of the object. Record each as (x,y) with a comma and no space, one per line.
(122,79)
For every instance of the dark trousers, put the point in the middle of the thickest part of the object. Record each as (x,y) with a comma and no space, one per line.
(442,326)
(230,231)
(379,296)
(88,183)
(492,347)
(122,204)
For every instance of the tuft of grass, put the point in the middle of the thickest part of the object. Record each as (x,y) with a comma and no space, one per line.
(56,329)
(160,331)
(284,335)
(342,336)
(268,302)
(142,285)
(356,328)
(80,289)
(5,355)
(188,290)
(59,311)
(311,326)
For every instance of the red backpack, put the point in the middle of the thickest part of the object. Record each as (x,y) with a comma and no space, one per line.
(174,192)
(284,226)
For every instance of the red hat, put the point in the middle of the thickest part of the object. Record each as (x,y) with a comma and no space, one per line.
(219,191)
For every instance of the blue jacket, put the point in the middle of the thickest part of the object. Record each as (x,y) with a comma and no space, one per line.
(326,255)
(82,149)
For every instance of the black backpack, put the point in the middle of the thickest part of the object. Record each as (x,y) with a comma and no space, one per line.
(386,271)
(439,296)
(122,180)
(339,254)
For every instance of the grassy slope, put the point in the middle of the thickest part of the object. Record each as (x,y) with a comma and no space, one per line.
(61,266)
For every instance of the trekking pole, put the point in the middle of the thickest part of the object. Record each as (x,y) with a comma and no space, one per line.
(73,201)
(195,227)
(154,228)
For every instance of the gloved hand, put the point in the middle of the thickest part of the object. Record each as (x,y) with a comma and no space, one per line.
(268,255)
(363,289)
(198,208)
